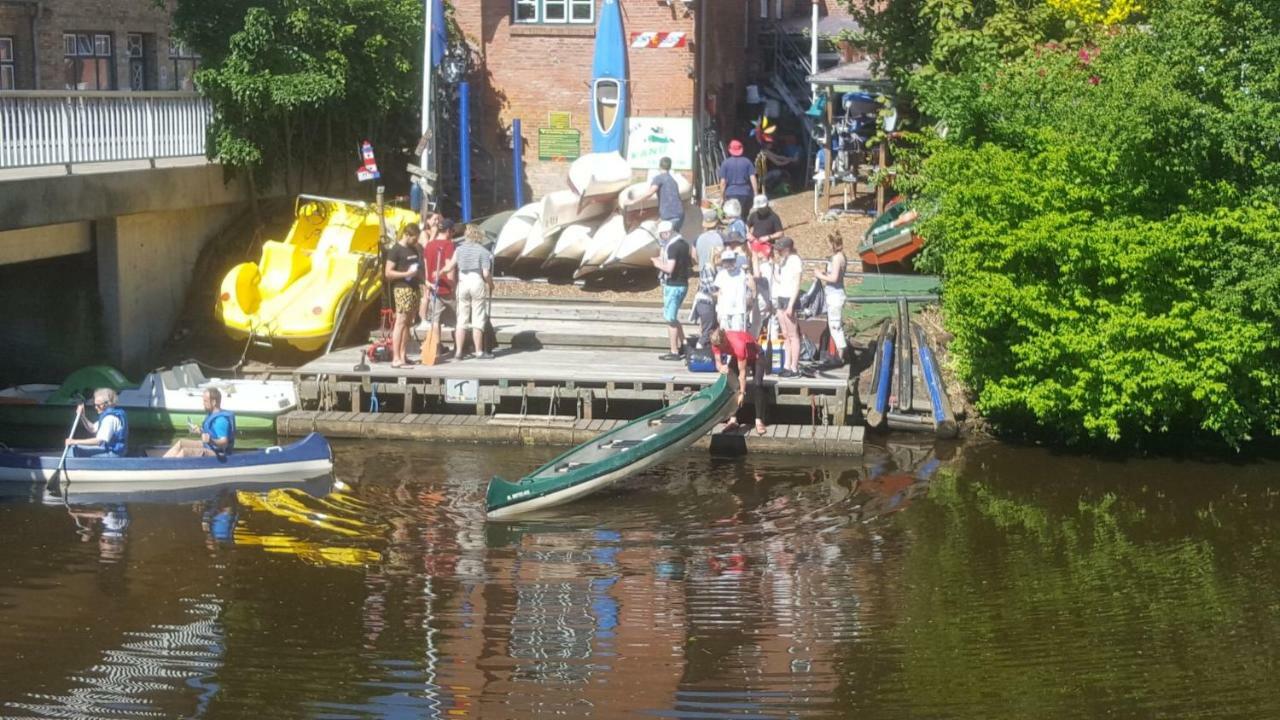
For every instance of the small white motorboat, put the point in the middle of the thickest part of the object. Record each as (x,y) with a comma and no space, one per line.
(628,202)
(597,174)
(572,243)
(637,248)
(602,244)
(512,237)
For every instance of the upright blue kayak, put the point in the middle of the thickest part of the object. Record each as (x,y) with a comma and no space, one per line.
(609,82)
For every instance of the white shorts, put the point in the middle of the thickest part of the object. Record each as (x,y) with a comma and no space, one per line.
(472,294)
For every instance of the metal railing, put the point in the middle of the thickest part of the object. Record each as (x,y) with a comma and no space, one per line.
(66,128)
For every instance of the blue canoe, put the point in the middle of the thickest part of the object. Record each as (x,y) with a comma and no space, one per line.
(609,82)
(305,459)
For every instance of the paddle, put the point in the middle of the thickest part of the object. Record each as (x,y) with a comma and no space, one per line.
(490,338)
(431,344)
(54,484)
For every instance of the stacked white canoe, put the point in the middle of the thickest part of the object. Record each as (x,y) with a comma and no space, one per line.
(587,225)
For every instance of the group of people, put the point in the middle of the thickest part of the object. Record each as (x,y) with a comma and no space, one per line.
(749,277)
(436,279)
(109,434)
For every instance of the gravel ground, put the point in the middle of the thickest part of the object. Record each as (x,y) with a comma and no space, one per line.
(810,236)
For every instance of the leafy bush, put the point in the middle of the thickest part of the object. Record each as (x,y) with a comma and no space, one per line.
(1105,216)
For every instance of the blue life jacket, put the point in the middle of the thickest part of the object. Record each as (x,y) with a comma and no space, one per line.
(118,444)
(207,426)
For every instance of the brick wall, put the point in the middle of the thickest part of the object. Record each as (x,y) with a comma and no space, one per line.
(528,71)
(117,18)
(15,22)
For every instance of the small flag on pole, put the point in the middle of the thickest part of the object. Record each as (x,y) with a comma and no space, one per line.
(368,169)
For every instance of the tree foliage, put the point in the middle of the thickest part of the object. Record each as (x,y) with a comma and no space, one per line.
(296,82)
(1103,206)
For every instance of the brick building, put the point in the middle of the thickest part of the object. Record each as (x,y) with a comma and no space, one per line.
(90,45)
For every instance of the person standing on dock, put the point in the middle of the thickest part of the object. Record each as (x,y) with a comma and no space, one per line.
(675,258)
(738,177)
(404,271)
(474,265)
(832,278)
(707,247)
(670,206)
(733,290)
(786,292)
(217,432)
(764,222)
(435,255)
(110,432)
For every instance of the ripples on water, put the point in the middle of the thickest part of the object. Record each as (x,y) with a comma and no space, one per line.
(908,584)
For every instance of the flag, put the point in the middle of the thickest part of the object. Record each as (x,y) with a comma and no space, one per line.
(439,32)
(368,169)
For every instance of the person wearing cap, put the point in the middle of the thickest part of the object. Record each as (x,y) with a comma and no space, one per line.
(674,262)
(738,177)
(763,221)
(786,291)
(733,291)
(707,247)
(435,255)
(670,205)
(733,217)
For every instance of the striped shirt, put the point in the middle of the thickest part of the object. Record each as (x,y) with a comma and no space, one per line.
(473,258)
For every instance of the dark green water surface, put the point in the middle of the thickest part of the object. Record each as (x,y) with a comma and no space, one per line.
(918,582)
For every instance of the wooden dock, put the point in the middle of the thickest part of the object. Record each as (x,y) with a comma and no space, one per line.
(780,439)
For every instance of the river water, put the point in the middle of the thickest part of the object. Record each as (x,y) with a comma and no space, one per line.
(918,582)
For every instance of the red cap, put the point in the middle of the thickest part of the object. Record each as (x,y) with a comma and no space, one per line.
(735,148)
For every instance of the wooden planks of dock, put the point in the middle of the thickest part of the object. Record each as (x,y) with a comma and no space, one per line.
(555,431)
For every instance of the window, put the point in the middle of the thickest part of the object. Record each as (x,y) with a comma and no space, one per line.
(555,11)
(136,49)
(7,59)
(185,63)
(86,58)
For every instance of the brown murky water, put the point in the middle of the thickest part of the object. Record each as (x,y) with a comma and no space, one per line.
(975,583)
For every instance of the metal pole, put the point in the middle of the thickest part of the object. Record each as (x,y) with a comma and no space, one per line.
(813,50)
(517,161)
(427,155)
(464,146)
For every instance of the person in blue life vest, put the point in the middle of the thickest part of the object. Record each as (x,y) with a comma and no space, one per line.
(217,432)
(110,431)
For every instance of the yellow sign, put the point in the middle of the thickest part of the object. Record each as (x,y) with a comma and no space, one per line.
(560,120)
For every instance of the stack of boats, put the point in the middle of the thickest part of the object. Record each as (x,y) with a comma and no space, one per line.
(605,221)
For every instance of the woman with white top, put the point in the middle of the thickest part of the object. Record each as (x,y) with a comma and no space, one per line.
(733,290)
(832,277)
(786,293)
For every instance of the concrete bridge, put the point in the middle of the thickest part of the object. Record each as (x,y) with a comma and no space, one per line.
(106,200)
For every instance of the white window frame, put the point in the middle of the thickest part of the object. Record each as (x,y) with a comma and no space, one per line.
(91,45)
(540,12)
(8,65)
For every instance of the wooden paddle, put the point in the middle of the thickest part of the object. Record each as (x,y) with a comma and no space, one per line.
(431,343)
(490,335)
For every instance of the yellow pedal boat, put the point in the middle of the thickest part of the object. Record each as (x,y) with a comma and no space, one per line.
(302,287)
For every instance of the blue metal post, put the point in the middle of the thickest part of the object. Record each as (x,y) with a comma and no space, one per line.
(517,161)
(464,140)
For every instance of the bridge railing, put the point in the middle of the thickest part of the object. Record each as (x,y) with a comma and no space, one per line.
(65,128)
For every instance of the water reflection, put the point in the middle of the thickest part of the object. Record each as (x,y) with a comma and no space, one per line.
(920,581)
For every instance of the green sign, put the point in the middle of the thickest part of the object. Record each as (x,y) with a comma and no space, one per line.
(558,144)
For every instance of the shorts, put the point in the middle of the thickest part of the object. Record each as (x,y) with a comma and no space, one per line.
(780,304)
(406,299)
(672,297)
(704,311)
(440,310)
(473,309)
(89,451)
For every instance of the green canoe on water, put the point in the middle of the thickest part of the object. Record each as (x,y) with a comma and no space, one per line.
(166,399)
(609,458)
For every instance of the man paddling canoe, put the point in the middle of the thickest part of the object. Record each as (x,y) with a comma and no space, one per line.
(110,431)
(217,432)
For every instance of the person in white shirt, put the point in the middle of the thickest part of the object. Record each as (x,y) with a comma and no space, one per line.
(734,288)
(786,292)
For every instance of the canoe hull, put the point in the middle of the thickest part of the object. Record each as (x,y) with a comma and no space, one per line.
(637,248)
(572,243)
(599,175)
(544,488)
(884,245)
(308,458)
(515,232)
(609,82)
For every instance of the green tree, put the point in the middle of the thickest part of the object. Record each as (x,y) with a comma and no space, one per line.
(295,84)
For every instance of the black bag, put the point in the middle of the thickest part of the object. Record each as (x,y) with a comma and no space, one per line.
(808,350)
(812,303)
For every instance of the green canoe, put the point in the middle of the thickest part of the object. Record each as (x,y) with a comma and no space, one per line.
(605,460)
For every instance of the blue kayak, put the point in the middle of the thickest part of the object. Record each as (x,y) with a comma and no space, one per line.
(609,82)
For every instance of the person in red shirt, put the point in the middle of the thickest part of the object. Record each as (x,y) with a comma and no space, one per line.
(743,353)
(436,255)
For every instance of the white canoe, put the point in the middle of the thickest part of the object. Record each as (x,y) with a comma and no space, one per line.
(598,174)
(540,242)
(627,198)
(637,248)
(512,236)
(572,242)
(602,244)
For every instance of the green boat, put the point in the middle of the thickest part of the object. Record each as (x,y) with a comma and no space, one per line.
(166,399)
(607,459)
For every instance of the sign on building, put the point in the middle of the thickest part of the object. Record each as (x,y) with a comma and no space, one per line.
(649,139)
